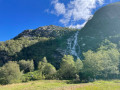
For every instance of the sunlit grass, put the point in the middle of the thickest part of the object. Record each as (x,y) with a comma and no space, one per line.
(62,85)
(102,85)
(35,85)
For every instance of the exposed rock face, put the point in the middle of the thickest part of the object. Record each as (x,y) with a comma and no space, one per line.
(45,31)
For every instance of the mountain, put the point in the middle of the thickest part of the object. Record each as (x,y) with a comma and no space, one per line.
(53,41)
(45,31)
(105,24)
(47,41)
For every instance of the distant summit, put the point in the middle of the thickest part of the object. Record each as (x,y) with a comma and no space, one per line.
(45,31)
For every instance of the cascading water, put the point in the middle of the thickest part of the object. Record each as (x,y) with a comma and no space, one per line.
(73,47)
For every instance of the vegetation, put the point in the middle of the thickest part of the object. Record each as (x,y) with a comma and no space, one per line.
(101,64)
(41,54)
(30,46)
(26,66)
(30,57)
(31,76)
(67,68)
(10,73)
(47,69)
(63,85)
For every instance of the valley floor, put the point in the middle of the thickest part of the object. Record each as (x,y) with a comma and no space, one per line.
(62,85)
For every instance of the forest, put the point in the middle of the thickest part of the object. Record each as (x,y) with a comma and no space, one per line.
(61,53)
(104,63)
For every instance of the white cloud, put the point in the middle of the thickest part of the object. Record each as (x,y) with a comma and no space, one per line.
(78,25)
(59,7)
(75,10)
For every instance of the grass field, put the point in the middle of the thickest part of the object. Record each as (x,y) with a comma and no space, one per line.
(62,85)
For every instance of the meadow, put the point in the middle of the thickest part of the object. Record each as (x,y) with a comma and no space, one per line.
(63,85)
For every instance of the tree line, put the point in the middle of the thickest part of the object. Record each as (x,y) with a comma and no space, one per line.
(104,63)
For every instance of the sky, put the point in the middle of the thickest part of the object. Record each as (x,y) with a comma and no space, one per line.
(19,15)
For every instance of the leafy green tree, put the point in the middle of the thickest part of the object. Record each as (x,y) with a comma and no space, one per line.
(110,63)
(103,63)
(92,64)
(67,67)
(10,73)
(44,60)
(78,65)
(42,64)
(46,68)
(26,66)
(106,45)
(49,69)
(110,57)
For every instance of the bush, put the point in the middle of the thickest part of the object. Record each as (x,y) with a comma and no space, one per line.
(47,69)
(26,66)
(36,75)
(10,73)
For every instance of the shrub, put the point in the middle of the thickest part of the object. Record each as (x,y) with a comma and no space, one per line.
(36,75)
(10,73)
(46,68)
(26,66)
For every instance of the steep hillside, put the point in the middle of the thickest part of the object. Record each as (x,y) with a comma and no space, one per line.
(54,41)
(105,24)
(48,41)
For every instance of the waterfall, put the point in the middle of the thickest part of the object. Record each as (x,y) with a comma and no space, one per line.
(73,47)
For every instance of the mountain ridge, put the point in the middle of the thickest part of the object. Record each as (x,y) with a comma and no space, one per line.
(47,41)
(105,24)
(53,41)
(44,31)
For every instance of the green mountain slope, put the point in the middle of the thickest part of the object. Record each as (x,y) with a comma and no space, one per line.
(105,24)
(48,41)
(54,41)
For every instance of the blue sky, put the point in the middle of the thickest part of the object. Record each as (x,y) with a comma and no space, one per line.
(19,15)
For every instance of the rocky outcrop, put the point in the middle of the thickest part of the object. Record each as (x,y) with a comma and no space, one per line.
(45,31)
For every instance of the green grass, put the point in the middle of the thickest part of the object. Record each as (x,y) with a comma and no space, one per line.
(102,85)
(62,85)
